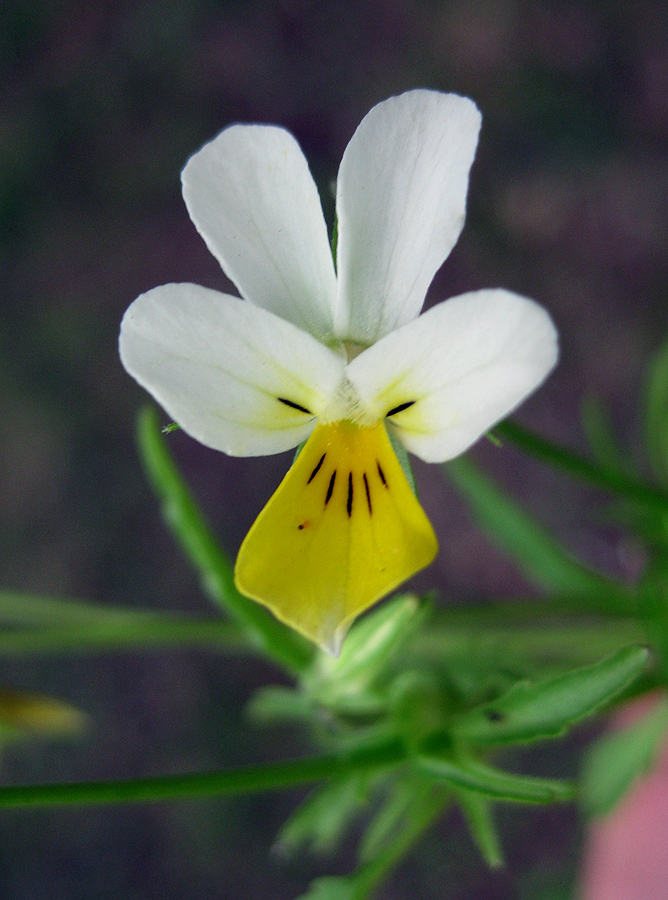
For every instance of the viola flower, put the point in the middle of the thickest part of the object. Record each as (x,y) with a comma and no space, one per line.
(337,357)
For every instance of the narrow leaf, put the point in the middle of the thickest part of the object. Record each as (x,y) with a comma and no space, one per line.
(477,811)
(320,823)
(656,413)
(530,711)
(403,803)
(597,426)
(617,759)
(483,779)
(276,704)
(539,555)
(601,477)
(335,887)
(189,527)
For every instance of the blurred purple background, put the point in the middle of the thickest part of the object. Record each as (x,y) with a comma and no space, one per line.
(101,105)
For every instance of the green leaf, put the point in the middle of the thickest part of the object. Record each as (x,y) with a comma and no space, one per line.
(656,413)
(275,704)
(320,823)
(539,555)
(477,811)
(483,779)
(602,477)
(530,711)
(335,888)
(365,880)
(192,531)
(401,806)
(597,426)
(617,759)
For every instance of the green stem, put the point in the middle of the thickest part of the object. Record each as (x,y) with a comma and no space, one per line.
(565,644)
(584,469)
(193,533)
(31,610)
(247,780)
(128,634)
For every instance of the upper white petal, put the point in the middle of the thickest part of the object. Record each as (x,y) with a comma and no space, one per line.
(252,198)
(401,198)
(466,364)
(218,366)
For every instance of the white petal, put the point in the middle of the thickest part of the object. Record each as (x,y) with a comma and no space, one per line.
(466,364)
(252,198)
(401,198)
(219,365)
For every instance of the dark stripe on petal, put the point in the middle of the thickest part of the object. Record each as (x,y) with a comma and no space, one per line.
(349,505)
(317,468)
(381,473)
(294,406)
(368,492)
(400,408)
(330,489)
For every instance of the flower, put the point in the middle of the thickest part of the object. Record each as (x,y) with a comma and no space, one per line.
(337,357)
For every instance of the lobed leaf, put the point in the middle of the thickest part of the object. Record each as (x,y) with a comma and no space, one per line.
(547,708)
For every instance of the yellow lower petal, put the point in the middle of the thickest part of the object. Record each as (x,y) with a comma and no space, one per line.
(343,529)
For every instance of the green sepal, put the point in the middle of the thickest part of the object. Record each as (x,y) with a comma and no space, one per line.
(335,238)
(298,450)
(547,708)
(372,643)
(404,460)
(616,760)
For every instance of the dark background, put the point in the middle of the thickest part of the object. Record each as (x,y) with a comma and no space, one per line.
(100,106)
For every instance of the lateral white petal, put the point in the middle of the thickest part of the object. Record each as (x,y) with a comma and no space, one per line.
(252,198)
(465,365)
(401,198)
(219,365)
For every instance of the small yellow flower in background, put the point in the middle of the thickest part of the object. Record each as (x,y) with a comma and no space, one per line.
(337,357)
(24,714)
